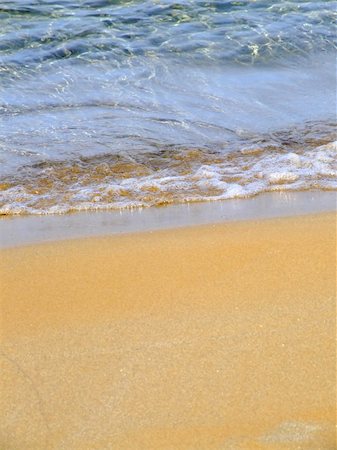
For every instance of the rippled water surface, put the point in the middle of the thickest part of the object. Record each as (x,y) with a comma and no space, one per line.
(113,104)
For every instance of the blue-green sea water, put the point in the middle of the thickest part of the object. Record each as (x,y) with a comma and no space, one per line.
(108,104)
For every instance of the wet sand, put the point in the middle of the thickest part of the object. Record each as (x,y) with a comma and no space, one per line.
(209,337)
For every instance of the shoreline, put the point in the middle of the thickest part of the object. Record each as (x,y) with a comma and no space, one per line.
(25,230)
(211,336)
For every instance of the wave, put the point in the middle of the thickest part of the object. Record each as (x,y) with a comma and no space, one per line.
(297,159)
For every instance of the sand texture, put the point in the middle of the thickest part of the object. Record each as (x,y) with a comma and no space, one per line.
(210,337)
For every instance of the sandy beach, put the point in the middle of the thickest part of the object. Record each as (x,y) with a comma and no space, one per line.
(206,337)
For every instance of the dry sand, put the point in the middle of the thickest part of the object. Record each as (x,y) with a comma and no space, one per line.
(210,337)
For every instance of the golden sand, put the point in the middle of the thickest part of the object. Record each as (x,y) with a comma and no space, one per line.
(211,337)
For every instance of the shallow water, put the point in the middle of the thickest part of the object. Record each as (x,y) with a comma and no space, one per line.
(114,104)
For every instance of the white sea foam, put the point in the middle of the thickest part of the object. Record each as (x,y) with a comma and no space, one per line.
(186,175)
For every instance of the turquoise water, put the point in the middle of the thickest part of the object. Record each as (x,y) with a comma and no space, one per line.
(118,104)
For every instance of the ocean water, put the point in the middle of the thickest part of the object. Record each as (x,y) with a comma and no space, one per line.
(108,104)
